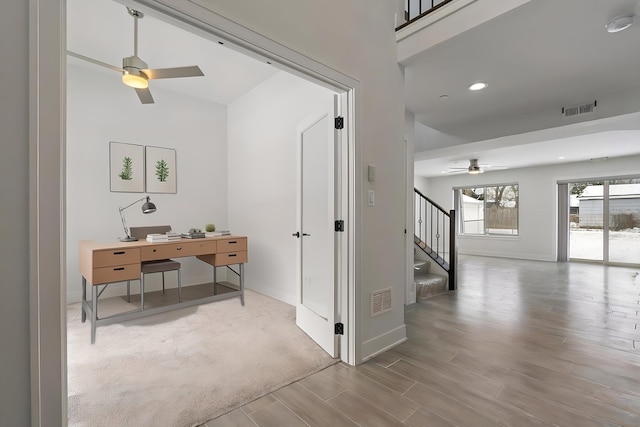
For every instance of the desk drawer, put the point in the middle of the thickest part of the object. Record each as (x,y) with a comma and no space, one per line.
(232,245)
(108,258)
(178,249)
(118,273)
(229,258)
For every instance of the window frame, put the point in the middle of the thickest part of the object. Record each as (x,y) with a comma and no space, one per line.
(458,193)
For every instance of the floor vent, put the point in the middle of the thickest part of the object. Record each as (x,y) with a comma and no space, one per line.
(577,110)
(380,301)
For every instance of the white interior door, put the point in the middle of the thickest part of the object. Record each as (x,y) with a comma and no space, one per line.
(316,302)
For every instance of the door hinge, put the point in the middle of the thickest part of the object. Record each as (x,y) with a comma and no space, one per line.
(339,328)
(339,122)
(339,225)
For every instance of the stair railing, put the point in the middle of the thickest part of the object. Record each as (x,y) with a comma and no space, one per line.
(416,9)
(435,234)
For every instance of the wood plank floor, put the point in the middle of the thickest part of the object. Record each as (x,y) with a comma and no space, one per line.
(521,343)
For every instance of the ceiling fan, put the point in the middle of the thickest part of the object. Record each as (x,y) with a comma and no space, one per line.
(135,72)
(474,168)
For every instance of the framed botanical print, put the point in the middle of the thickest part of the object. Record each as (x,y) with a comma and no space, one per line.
(160,170)
(126,167)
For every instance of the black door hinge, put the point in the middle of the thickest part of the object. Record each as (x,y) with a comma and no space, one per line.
(339,122)
(339,225)
(339,328)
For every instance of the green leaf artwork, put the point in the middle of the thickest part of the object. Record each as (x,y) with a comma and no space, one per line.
(127,169)
(162,170)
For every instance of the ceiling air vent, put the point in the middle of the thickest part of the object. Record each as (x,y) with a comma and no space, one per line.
(577,110)
(380,301)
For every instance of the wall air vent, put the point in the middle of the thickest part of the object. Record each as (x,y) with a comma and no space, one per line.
(576,110)
(380,301)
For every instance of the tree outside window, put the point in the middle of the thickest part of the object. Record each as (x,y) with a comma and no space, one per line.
(489,210)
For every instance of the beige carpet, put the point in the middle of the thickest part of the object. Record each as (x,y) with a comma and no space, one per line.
(187,366)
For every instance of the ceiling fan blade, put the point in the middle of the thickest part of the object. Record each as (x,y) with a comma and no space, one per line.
(95,61)
(145,96)
(170,73)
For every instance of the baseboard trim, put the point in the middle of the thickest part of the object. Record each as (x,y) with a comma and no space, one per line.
(523,256)
(384,342)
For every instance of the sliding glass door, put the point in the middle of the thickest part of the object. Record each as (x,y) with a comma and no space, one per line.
(604,221)
(624,221)
(586,231)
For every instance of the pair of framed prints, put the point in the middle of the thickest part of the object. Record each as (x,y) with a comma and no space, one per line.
(142,169)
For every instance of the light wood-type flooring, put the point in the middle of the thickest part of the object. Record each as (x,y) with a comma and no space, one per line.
(521,343)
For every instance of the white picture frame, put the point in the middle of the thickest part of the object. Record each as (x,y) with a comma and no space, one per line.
(160,170)
(126,167)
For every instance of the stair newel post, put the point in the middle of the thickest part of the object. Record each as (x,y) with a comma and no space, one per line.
(453,252)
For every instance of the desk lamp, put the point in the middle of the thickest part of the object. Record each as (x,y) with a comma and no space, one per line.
(147,208)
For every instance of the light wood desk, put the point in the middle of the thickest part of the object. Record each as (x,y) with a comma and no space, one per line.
(105,263)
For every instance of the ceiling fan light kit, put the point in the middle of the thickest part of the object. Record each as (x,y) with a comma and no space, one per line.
(136,81)
(474,169)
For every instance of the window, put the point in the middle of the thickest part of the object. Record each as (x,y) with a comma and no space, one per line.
(490,210)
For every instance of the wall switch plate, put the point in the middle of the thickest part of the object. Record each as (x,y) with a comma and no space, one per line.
(371,173)
(371,198)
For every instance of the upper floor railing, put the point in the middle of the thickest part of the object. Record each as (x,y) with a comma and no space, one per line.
(416,9)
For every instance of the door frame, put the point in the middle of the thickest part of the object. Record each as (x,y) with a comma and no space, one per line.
(47,117)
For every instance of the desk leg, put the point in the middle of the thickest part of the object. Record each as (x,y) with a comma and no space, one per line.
(84,299)
(141,291)
(94,315)
(242,284)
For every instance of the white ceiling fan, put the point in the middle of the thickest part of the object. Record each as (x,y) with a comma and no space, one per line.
(474,168)
(136,73)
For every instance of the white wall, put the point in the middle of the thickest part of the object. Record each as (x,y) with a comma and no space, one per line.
(538,204)
(101,109)
(356,38)
(14,211)
(262,128)
(429,139)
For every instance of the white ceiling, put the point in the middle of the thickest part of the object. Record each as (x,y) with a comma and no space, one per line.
(103,30)
(536,58)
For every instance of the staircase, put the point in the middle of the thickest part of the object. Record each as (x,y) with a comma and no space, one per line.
(435,236)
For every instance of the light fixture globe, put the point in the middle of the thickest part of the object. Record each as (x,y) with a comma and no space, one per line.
(619,23)
(135,79)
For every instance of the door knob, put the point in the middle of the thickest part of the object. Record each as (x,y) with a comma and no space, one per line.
(305,234)
(296,234)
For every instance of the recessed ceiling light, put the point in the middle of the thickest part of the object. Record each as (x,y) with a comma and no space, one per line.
(619,23)
(478,86)
(561,158)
